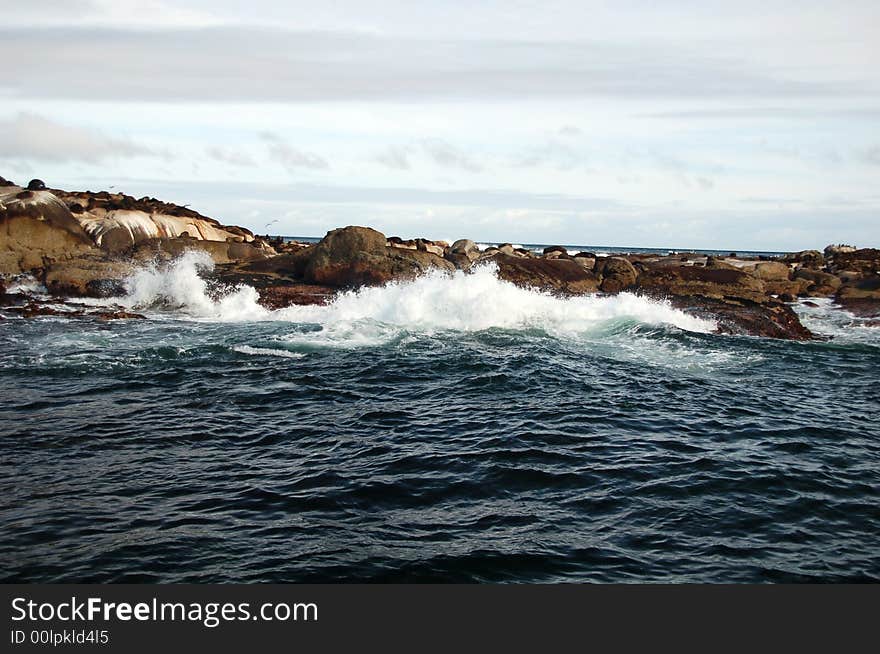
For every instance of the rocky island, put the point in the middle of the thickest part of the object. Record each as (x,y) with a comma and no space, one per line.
(85,244)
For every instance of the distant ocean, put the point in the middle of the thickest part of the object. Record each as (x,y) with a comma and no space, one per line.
(601,250)
(445,429)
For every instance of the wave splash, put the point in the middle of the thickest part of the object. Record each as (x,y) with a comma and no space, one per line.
(178,285)
(467,302)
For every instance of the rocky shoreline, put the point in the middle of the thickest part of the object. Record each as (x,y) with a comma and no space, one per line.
(84,244)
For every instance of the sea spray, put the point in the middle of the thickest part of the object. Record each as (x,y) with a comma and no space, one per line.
(438,301)
(479,300)
(178,285)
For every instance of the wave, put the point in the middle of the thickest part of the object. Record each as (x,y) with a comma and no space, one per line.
(179,286)
(267,351)
(438,301)
(824,317)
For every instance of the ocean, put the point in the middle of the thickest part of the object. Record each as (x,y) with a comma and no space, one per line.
(448,429)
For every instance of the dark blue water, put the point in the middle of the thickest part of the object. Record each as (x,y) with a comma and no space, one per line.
(585,442)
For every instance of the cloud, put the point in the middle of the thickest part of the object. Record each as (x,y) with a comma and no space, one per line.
(118,13)
(34,137)
(395,156)
(445,154)
(552,153)
(185,64)
(230,156)
(871,155)
(290,157)
(570,130)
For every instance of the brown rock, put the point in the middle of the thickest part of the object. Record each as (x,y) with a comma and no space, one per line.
(87,276)
(467,247)
(356,256)
(693,281)
(807,258)
(867,288)
(770,319)
(553,275)
(772,271)
(865,261)
(37,229)
(821,284)
(617,274)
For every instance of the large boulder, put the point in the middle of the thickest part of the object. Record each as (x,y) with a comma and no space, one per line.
(88,275)
(833,250)
(617,274)
(821,284)
(36,228)
(772,271)
(466,247)
(865,261)
(219,251)
(699,281)
(807,258)
(770,318)
(867,288)
(793,287)
(359,256)
(554,275)
(120,229)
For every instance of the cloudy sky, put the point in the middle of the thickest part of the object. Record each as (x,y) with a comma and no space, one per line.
(747,125)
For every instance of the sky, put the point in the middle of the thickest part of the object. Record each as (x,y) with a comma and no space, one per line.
(685,124)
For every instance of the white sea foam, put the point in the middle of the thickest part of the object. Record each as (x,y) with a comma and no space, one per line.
(179,286)
(26,284)
(827,318)
(267,351)
(480,301)
(435,302)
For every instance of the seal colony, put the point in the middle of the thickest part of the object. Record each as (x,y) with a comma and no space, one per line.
(85,244)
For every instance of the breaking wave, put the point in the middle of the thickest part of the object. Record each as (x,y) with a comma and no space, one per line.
(467,302)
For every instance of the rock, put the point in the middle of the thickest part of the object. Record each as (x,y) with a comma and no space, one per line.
(865,261)
(36,185)
(466,247)
(506,248)
(219,251)
(787,287)
(832,250)
(698,281)
(865,307)
(34,309)
(850,276)
(88,276)
(356,256)
(821,284)
(120,229)
(584,262)
(5,182)
(717,262)
(770,318)
(36,227)
(423,245)
(278,297)
(555,248)
(459,260)
(807,258)
(552,275)
(867,288)
(775,271)
(617,274)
